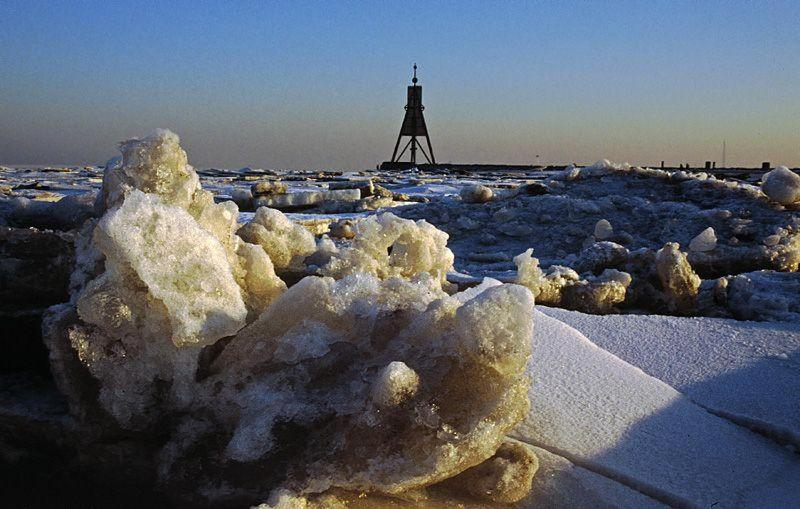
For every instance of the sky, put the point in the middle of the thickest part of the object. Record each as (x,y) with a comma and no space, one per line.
(301,85)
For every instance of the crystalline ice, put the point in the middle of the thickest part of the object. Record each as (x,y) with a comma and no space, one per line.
(256,277)
(181,338)
(678,280)
(388,246)
(597,294)
(182,265)
(386,350)
(562,286)
(529,274)
(159,276)
(505,478)
(394,384)
(286,243)
(546,288)
(155,164)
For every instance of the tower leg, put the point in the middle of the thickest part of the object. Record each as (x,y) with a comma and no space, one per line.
(422,149)
(430,149)
(396,145)
(405,147)
(413,150)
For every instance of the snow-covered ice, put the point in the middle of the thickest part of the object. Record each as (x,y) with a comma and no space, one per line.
(746,371)
(611,417)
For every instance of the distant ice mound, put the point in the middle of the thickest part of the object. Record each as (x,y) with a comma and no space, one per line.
(782,185)
(182,342)
(563,287)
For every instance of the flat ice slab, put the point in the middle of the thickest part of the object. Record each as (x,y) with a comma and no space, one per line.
(746,371)
(605,415)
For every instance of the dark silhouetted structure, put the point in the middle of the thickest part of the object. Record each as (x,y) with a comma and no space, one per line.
(413,126)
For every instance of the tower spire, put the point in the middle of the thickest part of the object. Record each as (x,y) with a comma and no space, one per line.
(414,79)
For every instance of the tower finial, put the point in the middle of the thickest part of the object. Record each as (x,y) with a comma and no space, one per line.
(414,79)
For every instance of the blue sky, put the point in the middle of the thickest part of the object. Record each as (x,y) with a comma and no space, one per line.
(322,84)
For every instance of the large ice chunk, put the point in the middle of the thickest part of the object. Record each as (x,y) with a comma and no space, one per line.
(330,381)
(159,276)
(179,263)
(256,276)
(183,341)
(305,199)
(376,365)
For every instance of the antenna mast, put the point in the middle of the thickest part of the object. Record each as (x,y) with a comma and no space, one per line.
(723,154)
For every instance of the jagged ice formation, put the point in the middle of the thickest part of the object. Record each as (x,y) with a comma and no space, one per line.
(181,339)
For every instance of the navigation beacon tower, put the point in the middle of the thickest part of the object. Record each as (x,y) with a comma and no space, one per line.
(414,125)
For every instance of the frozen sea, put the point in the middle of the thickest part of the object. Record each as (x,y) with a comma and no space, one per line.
(635,410)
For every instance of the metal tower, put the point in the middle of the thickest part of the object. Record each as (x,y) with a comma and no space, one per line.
(414,125)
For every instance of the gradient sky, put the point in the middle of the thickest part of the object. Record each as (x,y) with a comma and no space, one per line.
(322,84)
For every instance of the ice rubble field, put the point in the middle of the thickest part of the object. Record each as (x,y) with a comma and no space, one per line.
(241,358)
(605,238)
